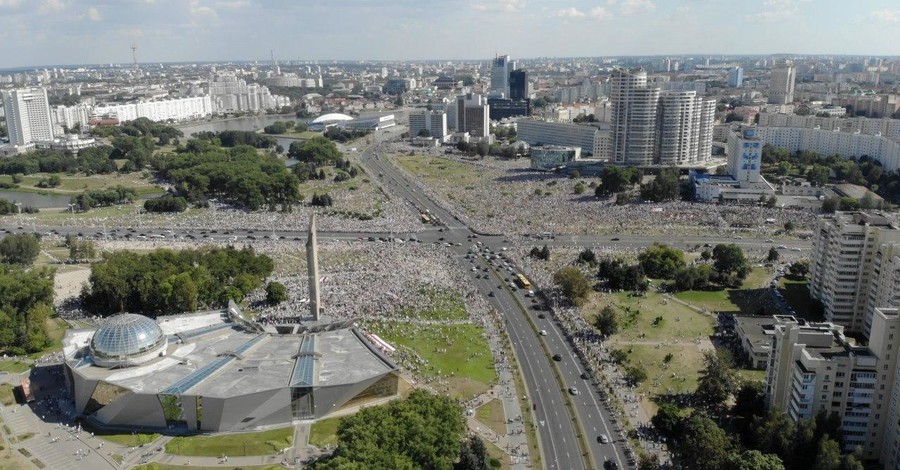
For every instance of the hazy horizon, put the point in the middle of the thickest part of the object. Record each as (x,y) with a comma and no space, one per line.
(78,32)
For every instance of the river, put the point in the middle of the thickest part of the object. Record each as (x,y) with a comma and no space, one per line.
(41,201)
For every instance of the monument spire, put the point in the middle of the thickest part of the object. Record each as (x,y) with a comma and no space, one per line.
(312,268)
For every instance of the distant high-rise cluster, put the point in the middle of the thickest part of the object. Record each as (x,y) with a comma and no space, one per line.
(654,127)
(231,94)
(27,116)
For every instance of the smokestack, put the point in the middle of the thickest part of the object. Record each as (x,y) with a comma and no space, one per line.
(312,268)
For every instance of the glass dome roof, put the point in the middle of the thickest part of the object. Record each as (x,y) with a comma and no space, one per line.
(126,335)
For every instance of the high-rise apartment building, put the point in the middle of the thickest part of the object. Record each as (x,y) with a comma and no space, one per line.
(473,115)
(230,94)
(850,264)
(736,77)
(654,127)
(814,368)
(28,118)
(634,109)
(518,85)
(434,122)
(781,85)
(500,70)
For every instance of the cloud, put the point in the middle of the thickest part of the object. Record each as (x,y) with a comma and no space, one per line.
(630,7)
(93,14)
(51,6)
(234,4)
(599,13)
(509,6)
(885,16)
(570,12)
(10,3)
(198,10)
(777,10)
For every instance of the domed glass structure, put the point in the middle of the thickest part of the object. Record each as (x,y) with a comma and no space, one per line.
(127,339)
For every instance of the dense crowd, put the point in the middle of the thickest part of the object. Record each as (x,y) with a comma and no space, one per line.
(504,199)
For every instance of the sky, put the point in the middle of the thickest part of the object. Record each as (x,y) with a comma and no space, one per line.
(62,32)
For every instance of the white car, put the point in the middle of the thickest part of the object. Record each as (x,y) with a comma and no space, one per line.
(543,332)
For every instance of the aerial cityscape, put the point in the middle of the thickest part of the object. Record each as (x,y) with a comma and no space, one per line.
(515,234)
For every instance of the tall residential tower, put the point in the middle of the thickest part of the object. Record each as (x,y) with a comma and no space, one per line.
(27,116)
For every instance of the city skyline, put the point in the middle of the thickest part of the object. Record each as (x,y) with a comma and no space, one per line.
(62,32)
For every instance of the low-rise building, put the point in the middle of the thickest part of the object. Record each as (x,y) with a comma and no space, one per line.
(549,157)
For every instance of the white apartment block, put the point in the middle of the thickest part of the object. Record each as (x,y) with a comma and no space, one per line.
(162,110)
(562,134)
(885,127)
(634,108)
(814,368)
(842,267)
(827,143)
(231,94)
(435,122)
(69,116)
(28,117)
(781,85)
(744,151)
(655,127)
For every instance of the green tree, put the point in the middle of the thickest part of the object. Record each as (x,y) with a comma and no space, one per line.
(668,420)
(573,283)
(773,434)
(753,460)
(607,322)
(318,150)
(276,293)
(634,375)
(422,431)
(828,456)
(717,380)
(799,268)
(830,204)
(20,248)
(616,179)
(473,455)
(703,445)
(818,175)
(730,264)
(662,188)
(694,277)
(587,256)
(773,255)
(661,261)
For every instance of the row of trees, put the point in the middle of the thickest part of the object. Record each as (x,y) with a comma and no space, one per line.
(7,207)
(167,203)
(282,127)
(422,431)
(26,297)
(140,127)
(88,161)
(103,197)
(167,281)
(339,134)
(236,138)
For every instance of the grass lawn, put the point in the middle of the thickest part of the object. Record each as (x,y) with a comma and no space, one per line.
(7,397)
(233,445)
(133,440)
(162,466)
(796,294)
(457,352)
(491,415)
(678,321)
(324,432)
(13,366)
(747,300)
(434,168)
(74,184)
(752,375)
(678,376)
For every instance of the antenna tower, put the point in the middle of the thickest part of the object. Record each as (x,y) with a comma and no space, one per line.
(134,55)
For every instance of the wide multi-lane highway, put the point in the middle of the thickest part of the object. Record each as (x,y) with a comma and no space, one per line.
(568,409)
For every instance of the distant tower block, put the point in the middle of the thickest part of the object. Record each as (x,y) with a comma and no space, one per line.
(312,268)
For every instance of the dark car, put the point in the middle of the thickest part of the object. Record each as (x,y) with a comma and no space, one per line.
(542,316)
(614,239)
(557,357)
(610,465)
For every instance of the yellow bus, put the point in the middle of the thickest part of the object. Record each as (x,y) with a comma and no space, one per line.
(425,218)
(523,281)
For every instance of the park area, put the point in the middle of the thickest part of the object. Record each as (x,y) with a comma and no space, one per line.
(233,445)
(454,359)
(73,184)
(666,337)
